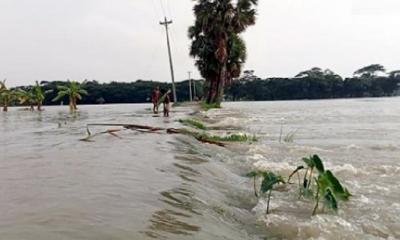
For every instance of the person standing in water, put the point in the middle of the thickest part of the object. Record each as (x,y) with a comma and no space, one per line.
(166,104)
(155,97)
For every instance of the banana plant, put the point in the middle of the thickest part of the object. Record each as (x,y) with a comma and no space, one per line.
(6,95)
(26,97)
(74,90)
(39,95)
(269,180)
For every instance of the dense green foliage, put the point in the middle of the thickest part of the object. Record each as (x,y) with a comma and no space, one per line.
(119,92)
(314,84)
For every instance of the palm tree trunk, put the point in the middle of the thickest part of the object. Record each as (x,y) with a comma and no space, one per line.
(221,84)
(5,107)
(213,91)
(39,106)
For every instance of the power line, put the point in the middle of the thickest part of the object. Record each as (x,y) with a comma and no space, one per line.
(162,7)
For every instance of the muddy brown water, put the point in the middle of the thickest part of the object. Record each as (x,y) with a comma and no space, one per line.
(158,186)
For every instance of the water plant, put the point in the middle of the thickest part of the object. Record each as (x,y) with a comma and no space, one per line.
(74,90)
(289,138)
(325,185)
(269,180)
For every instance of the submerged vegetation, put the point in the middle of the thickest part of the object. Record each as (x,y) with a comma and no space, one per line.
(32,96)
(324,187)
(192,122)
(235,137)
(74,91)
(269,180)
(6,95)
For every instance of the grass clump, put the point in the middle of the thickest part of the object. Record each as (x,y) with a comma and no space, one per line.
(231,138)
(206,106)
(192,122)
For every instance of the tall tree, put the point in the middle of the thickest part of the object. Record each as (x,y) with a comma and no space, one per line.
(370,71)
(216,43)
(74,90)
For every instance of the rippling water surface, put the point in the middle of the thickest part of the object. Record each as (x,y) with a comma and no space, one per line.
(159,186)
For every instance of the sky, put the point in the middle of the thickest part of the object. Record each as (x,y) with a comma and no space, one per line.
(122,40)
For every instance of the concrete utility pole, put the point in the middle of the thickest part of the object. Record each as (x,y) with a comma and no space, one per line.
(190,87)
(166,23)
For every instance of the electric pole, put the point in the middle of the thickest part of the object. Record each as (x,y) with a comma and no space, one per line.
(166,23)
(190,88)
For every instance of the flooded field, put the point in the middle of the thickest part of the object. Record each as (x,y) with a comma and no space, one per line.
(159,186)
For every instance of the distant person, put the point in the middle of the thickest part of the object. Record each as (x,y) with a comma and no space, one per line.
(166,104)
(155,97)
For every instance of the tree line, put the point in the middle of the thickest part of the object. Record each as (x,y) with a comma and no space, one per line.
(370,81)
(316,83)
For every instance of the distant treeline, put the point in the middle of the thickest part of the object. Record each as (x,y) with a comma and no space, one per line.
(371,81)
(316,84)
(120,92)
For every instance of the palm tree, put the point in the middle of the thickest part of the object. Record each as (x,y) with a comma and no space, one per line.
(218,49)
(6,95)
(74,90)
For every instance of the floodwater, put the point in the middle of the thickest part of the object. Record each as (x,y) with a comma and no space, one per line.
(159,186)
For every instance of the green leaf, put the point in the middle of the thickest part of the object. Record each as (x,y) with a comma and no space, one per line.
(330,200)
(337,188)
(309,162)
(270,179)
(318,163)
(314,162)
